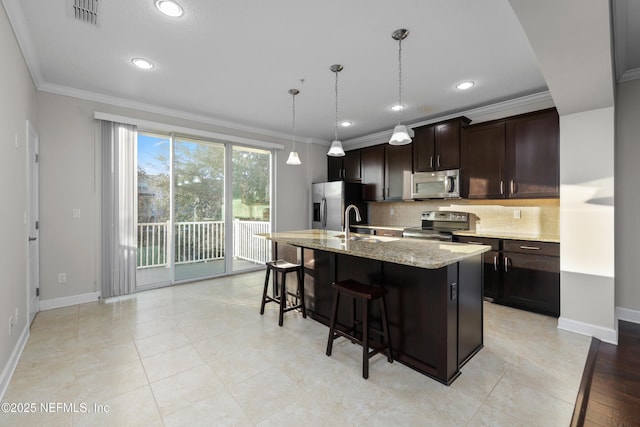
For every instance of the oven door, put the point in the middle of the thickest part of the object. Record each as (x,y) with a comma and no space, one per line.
(435,185)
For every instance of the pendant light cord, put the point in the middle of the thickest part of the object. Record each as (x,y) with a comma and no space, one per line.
(336,133)
(293,124)
(400,106)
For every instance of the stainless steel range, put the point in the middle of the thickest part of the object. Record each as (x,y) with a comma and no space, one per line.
(439,225)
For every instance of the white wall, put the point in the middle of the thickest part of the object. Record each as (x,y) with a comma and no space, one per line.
(587,297)
(17,105)
(627,177)
(69,175)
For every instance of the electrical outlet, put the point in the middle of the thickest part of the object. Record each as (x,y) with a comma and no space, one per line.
(391,211)
(75,213)
(62,277)
(517,214)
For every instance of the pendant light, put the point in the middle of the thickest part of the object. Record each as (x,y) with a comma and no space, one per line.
(336,149)
(400,133)
(293,159)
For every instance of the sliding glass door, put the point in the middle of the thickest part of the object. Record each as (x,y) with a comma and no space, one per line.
(154,211)
(200,205)
(251,208)
(199,227)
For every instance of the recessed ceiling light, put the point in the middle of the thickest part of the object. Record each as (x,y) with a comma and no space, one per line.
(169,8)
(346,123)
(398,107)
(142,63)
(465,85)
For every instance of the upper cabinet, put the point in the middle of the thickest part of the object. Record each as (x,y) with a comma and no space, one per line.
(345,168)
(516,157)
(372,167)
(533,153)
(397,172)
(437,146)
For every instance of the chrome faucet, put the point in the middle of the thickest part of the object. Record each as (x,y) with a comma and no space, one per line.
(346,220)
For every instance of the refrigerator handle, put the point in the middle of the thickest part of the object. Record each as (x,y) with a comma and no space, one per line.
(323,212)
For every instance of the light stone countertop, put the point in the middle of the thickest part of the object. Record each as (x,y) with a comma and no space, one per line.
(406,251)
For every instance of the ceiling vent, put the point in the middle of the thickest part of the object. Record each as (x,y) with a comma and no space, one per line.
(85,11)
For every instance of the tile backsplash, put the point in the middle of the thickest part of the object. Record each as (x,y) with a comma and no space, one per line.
(537,216)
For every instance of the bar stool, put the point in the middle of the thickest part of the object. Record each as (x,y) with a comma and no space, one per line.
(364,294)
(283,267)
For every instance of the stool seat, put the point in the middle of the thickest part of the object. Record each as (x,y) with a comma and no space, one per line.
(282,265)
(363,293)
(280,296)
(359,290)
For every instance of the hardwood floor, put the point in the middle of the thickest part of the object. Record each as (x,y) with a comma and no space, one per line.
(610,388)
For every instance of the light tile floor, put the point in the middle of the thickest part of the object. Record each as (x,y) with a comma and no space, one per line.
(200,354)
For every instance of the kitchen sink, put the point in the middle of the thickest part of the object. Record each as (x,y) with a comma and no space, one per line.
(368,238)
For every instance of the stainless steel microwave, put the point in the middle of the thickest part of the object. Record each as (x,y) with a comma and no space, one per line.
(436,185)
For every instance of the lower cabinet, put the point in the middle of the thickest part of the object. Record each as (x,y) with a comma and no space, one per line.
(521,273)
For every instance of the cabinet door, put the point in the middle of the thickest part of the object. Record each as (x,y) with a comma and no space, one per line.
(397,171)
(483,154)
(351,166)
(533,153)
(372,168)
(447,146)
(492,264)
(423,149)
(532,282)
(334,168)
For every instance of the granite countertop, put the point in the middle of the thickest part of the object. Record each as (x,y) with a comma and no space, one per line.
(534,237)
(406,251)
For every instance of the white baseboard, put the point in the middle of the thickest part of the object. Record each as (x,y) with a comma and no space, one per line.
(603,334)
(49,304)
(11,365)
(628,315)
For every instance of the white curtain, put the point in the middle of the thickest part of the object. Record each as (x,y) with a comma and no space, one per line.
(118,209)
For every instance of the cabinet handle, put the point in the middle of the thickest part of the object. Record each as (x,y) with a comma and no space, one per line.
(501,187)
(512,187)
(495,262)
(438,160)
(506,264)
(431,161)
(531,248)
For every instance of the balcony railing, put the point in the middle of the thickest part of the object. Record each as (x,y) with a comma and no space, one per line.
(201,241)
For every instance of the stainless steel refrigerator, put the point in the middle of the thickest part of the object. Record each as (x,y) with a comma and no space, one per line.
(330,199)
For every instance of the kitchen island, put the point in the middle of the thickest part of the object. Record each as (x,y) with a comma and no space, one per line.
(434,300)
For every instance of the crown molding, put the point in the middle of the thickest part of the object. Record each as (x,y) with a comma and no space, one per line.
(179,114)
(485,113)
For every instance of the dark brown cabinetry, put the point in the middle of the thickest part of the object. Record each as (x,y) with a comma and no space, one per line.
(397,171)
(531,275)
(516,157)
(344,168)
(372,167)
(521,273)
(533,152)
(492,262)
(437,146)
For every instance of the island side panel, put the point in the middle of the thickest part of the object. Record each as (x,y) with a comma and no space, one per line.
(319,274)
(423,318)
(470,308)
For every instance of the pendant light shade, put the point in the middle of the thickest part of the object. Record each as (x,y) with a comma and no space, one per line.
(336,149)
(293,159)
(400,134)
